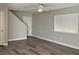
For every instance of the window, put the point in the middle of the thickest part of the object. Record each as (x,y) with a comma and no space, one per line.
(66,23)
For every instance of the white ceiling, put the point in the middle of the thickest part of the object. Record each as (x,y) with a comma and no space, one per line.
(32,7)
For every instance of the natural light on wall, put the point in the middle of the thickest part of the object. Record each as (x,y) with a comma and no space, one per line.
(67,23)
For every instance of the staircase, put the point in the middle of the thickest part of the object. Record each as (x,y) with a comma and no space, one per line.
(21,21)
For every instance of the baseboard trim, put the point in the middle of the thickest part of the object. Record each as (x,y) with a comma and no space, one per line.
(75,47)
(5,44)
(17,39)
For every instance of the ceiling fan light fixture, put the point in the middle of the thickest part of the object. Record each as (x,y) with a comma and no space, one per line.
(40,10)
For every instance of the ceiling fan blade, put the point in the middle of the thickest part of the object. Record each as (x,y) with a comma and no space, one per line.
(50,8)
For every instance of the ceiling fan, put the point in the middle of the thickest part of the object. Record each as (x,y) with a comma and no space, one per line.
(40,7)
(44,7)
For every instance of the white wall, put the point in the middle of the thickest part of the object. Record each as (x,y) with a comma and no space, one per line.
(43,26)
(20,14)
(17,29)
(28,21)
(27,18)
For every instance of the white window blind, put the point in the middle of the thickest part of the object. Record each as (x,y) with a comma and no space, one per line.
(66,23)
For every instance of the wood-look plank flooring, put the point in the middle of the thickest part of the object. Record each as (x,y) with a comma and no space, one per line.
(36,46)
